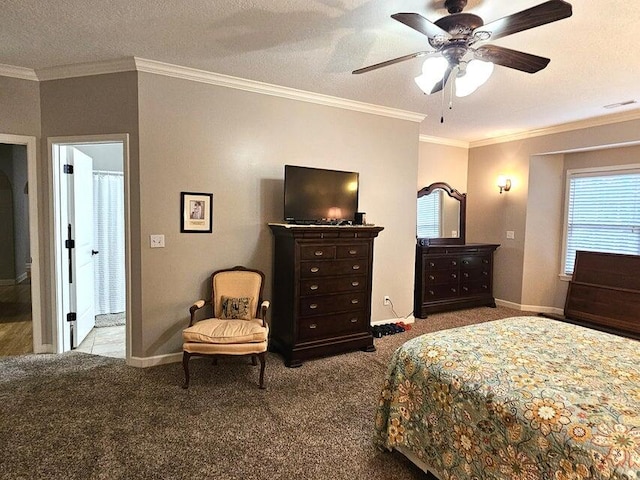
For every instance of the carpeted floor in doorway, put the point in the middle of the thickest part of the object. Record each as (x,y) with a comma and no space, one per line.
(78,416)
(110,319)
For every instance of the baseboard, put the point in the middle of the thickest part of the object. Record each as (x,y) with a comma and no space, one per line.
(409,319)
(44,348)
(144,362)
(529,308)
(7,282)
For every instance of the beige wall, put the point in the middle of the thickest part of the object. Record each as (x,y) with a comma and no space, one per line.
(19,107)
(443,163)
(94,105)
(490,215)
(203,138)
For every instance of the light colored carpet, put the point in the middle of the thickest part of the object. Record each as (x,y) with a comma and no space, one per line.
(79,416)
(110,319)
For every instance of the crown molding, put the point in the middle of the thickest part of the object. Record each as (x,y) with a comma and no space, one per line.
(86,69)
(18,72)
(444,141)
(203,76)
(564,127)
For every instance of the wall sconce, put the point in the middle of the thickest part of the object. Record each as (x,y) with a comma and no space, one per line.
(504,183)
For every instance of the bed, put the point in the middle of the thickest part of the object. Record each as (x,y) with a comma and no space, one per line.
(521,398)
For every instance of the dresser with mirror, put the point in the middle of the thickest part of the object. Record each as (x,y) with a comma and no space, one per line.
(450,274)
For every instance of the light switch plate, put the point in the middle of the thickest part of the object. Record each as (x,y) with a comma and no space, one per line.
(511,234)
(156,241)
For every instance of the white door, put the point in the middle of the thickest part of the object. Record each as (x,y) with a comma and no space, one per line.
(80,217)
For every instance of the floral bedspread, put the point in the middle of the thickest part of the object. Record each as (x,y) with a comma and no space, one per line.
(521,398)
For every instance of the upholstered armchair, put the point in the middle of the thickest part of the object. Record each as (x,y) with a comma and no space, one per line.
(238,326)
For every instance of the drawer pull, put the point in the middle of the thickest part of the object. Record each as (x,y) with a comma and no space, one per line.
(466,275)
(454,263)
(314,269)
(318,253)
(431,264)
(354,320)
(355,283)
(485,273)
(313,287)
(354,301)
(466,289)
(313,306)
(453,290)
(431,292)
(484,260)
(453,275)
(431,277)
(465,262)
(486,287)
(356,267)
(352,252)
(313,325)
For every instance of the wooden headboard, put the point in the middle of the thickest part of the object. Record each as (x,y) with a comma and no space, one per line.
(605,292)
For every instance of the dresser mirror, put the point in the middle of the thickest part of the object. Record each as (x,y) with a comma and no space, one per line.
(441,215)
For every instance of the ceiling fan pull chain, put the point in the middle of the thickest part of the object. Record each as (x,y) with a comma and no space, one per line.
(442,106)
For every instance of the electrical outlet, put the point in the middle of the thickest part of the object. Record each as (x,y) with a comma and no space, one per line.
(511,234)
(387,300)
(156,241)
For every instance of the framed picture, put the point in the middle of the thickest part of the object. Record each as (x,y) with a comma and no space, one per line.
(196,212)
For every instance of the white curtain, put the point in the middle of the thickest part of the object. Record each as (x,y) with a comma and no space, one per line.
(108,228)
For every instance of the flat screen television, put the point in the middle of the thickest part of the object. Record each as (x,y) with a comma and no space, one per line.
(317,195)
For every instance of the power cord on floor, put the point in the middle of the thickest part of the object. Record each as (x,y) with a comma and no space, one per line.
(394,311)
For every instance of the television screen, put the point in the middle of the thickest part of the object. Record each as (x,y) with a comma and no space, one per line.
(316,195)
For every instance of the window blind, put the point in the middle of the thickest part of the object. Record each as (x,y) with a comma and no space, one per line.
(603,214)
(429,215)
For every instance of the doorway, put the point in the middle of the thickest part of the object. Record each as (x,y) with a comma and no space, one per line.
(91,244)
(20,327)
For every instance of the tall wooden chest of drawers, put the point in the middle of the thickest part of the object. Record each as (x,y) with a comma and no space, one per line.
(449,277)
(321,300)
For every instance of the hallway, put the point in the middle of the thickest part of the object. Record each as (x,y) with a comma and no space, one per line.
(16,337)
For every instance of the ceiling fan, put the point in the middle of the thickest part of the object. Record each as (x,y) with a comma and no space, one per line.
(453,39)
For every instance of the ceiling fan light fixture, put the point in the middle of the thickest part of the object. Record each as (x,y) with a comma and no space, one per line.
(476,74)
(433,70)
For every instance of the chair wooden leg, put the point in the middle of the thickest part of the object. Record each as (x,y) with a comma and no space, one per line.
(263,359)
(254,360)
(185,365)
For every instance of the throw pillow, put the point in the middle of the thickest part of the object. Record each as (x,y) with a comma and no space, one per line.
(236,308)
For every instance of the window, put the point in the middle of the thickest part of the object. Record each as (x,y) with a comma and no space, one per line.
(429,215)
(603,212)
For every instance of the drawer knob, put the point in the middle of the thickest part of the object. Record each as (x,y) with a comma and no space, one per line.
(431,277)
(354,301)
(454,263)
(313,287)
(431,264)
(313,325)
(355,283)
(356,267)
(354,320)
(484,260)
(485,273)
(453,290)
(315,269)
(313,306)
(318,253)
(453,275)
(466,289)
(352,252)
(465,262)
(466,275)
(431,292)
(486,287)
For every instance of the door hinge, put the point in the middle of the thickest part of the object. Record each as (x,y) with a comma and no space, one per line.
(71,317)
(67,169)
(69,244)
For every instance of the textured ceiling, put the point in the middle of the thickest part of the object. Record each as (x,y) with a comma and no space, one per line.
(313,45)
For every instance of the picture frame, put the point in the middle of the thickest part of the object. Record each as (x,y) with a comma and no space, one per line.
(196,212)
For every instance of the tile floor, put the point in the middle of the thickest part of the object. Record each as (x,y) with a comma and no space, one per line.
(105,341)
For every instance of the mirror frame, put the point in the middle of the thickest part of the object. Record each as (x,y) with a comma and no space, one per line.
(456,195)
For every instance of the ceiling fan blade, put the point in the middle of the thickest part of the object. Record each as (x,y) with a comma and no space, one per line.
(421,24)
(506,57)
(390,62)
(440,85)
(542,14)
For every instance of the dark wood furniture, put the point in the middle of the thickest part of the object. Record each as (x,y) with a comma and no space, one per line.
(450,277)
(321,290)
(604,292)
